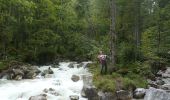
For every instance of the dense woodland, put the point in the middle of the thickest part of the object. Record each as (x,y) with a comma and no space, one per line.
(40,31)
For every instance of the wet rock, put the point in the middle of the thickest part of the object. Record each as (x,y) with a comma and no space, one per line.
(160,82)
(71,65)
(160,72)
(166,87)
(51,91)
(39,97)
(48,76)
(152,84)
(156,94)
(75,78)
(167,73)
(18,72)
(45,90)
(123,95)
(30,75)
(106,96)
(139,93)
(74,97)
(89,92)
(80,65)
(18,77)
(47,71)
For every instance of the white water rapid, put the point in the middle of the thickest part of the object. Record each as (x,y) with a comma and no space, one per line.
(60,81)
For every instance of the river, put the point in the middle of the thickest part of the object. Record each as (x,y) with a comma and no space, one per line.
(60,81)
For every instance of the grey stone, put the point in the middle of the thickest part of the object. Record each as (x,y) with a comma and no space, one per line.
(74,97)
(139,93)
(156,94)
(166,86)
(123,95)
(75,78)
(39,97)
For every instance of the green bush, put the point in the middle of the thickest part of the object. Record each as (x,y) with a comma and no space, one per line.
(105,84)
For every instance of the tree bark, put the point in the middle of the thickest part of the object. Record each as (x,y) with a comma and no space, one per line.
(112,31)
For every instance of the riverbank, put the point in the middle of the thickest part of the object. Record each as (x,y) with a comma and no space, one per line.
(118,86)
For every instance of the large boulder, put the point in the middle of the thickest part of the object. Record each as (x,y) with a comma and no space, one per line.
(139,93)
(39,97)
(75,78)
(156,94)
(19,71)
(89,90)
(74,97)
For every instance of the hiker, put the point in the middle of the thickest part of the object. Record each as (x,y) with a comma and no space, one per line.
(102,60)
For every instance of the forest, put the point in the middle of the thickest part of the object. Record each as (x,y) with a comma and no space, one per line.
(35,31)
(134,33)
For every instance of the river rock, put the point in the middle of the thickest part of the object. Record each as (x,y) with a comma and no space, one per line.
(75,78)
(89,92)
(139,93)
(106,96)
(123,95)
(80,65)
(167,73)
(156,94)
(18,70)
(71,65)
(39,97)
(160,82)
(74,97)
(31,75)
(47,71)
(18,77)
(51,91)
(166,87)
(152,84)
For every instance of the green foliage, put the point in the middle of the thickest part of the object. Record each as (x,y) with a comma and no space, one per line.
(134,80)
(2,66)
(117,80)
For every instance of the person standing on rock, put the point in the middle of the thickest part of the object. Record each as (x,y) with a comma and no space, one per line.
(102,60)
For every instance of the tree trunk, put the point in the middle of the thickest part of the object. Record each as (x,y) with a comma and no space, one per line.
(112,31)
(137,29)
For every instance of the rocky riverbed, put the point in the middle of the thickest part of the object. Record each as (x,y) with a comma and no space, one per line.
(71,81)
(64,82)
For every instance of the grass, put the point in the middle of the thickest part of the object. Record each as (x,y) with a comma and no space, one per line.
(116,80)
